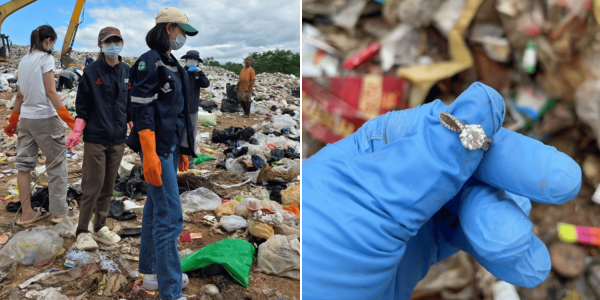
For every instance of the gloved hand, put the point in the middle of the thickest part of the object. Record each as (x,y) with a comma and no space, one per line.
(192,69)
(12,124)
(130,125)
(402,193)
(65,115)
(73,138)
(151,163)
(184,163)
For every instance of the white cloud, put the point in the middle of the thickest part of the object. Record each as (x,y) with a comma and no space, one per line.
(228,29)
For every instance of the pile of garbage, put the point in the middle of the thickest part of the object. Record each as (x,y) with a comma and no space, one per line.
(542,56)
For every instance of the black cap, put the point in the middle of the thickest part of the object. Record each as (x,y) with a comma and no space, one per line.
(192,54)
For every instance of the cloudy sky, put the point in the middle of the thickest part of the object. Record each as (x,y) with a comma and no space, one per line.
(228,29)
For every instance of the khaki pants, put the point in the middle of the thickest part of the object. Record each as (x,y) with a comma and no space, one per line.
(99,172)
(48,135)
(245,100)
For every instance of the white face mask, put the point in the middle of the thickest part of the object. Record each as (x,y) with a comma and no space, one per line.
(191,63)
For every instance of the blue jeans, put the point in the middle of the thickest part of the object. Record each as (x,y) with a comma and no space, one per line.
(161,225)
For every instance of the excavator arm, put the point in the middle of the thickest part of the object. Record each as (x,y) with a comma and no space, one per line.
(65,56)
(6,10)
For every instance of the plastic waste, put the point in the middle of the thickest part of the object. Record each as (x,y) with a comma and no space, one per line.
(503,290)
(454,272)
(233,223)
(235,165)
(207,119)
(117,211)
(209,289)
(66,228)
(287,228)
(280,256)
(125,168)
(208,105)
(227,208)
(35,247)
(234,255)
(242,207)
(283,121)
(232,134)
(132,207)
(260,229)
(291,195)
(39,171)
(257,162)
(133,186)
(199,199)
(200,158)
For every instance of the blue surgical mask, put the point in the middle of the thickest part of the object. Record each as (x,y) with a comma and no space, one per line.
(191,63)
(112,50)
(178,42)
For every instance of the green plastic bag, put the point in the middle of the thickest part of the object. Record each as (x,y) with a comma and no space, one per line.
(232,254)
(200,158)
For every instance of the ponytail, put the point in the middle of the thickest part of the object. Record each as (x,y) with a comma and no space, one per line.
(39,35)
(100,55)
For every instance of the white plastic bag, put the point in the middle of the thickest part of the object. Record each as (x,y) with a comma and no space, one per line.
(242,208)
(235,165)
(66,228)
(199,199)
(35,247)
(233,223)
(280,256)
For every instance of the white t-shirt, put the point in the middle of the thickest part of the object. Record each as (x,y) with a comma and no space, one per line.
(36,104)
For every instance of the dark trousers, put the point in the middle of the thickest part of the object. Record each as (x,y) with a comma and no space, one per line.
(64,81)
(99,172)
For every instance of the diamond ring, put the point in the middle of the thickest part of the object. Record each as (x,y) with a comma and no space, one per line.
(471,136)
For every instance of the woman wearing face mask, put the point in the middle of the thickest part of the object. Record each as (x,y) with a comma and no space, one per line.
(103,110)
(163,133)
(39,106)
(197,80)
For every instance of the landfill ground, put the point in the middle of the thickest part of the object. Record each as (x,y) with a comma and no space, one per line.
(261,286)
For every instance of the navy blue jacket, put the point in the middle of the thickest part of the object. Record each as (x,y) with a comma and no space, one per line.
(197,80)
(103,101)
(155,100)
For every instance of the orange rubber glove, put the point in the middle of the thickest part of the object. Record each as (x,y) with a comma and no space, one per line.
(151,163)
(65,115)
(12,124)
(184,163)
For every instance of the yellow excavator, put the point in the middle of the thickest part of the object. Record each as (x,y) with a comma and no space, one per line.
(65,57)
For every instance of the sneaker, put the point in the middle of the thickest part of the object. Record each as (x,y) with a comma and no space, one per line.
(106,237)
(85,242)
(151,282)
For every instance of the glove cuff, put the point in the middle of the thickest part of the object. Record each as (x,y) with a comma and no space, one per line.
(148,142)
(79,125)
(14,117)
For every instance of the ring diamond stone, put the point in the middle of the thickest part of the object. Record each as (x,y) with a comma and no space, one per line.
(471,136)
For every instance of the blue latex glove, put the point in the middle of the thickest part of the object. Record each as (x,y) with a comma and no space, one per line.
(192,69)
(402,193)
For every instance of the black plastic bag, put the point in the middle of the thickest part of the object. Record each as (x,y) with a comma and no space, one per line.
(232,134)
(222,165)
(231,94)
(133,186)
(230,106)
(275,187)
(40,198)
(291,153)
(208,106)
(276,155)
(287,111)
(117,211)
(257,162)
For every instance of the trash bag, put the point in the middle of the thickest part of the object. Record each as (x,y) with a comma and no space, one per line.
(260,229)
(222,164)
(234,255)
(276,155)
(117,211)
(241,208)
(280,256)
(40,198)
(231,93)
(290,112)
(35,247)
(235,165)
(133,186)
(283,121)
(287,228)
(66,228)
(208,105)
(232,134)
(199,199)
(233,223)
(227,208)
(230,106)
(291,195)
(257,162)
(235,152)
(291,153)
(275,186)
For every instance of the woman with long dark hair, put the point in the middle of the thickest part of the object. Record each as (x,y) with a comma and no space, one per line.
(40,109)
(103,108)
(163,132)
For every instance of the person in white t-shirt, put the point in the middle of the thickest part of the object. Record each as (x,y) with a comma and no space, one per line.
(40,109)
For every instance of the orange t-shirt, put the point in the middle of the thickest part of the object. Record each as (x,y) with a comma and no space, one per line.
(246,76)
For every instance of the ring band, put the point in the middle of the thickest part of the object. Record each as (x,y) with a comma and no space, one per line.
(471,136)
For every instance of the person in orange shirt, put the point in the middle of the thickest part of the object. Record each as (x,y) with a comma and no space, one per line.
(245,86)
